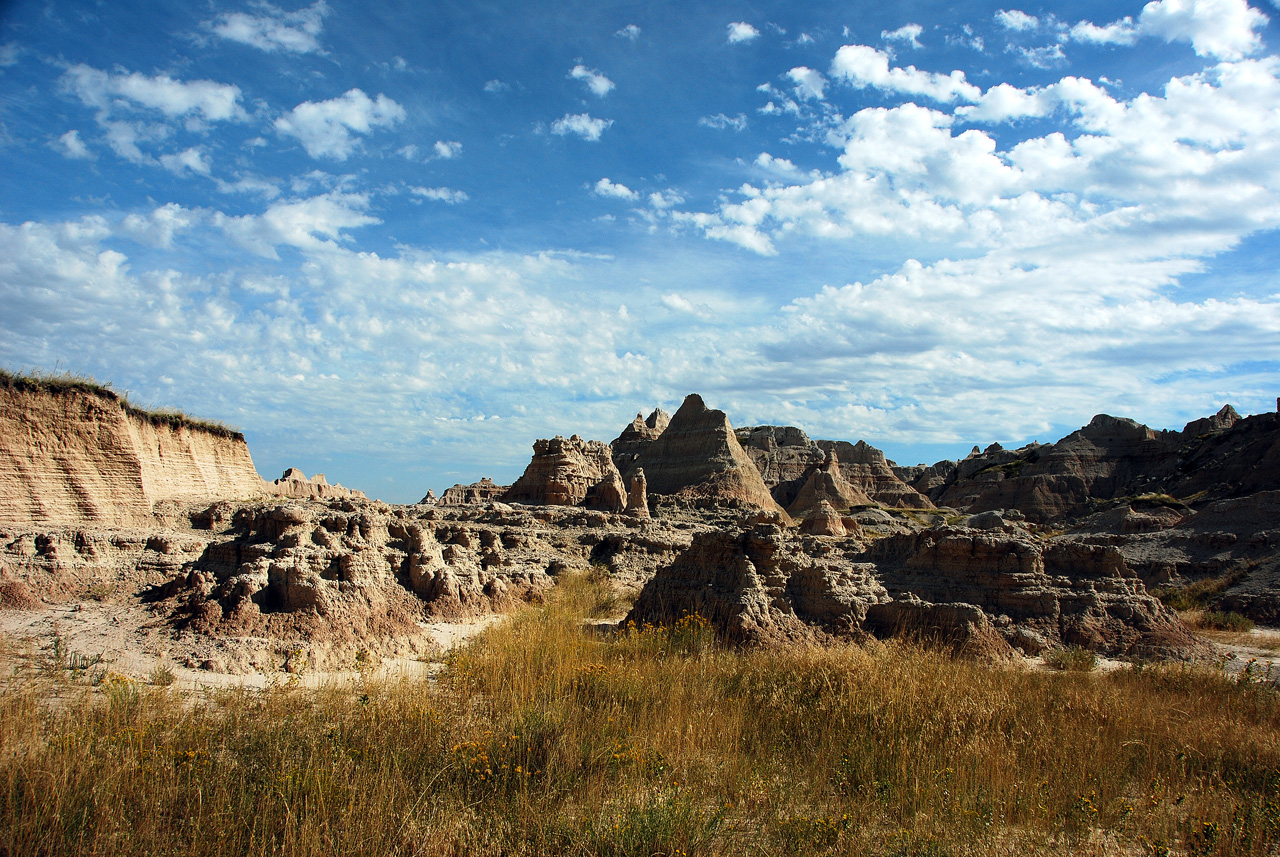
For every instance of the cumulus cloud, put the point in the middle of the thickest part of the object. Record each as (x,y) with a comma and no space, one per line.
(194,160)
(274,30)
(447,148)
(862,66)
(594,80)
(1226,29)
(325,128)
(606,188)
(198,99)
(313,223)
(580,124)
(720,121)
(440,194)
(808,83)
(630,32)
(741,31)
(72,146)
(909,33)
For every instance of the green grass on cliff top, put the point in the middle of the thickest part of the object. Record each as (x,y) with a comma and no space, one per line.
(66,383)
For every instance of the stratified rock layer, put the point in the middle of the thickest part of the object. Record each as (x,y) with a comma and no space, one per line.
(74,457)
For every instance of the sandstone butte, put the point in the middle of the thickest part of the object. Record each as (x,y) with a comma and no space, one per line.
(1006,550)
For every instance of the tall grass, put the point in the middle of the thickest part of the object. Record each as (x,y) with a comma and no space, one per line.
(545,737)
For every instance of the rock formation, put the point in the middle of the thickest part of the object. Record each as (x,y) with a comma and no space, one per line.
(638,494)
(866,468)
(483,491)
(637,436)
(698,458)
(826,484)
(79,454)
(294,483)
(978,591)
(573,472)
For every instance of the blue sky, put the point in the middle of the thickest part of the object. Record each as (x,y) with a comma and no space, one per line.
(397,242)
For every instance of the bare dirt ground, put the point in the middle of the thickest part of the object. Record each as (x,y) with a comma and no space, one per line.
(131,641)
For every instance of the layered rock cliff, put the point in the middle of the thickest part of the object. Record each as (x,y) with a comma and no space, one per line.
(77,454)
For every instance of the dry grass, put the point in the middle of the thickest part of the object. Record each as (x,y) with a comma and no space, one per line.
(544,738)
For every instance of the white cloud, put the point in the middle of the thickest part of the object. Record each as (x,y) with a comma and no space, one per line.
(665,199)
(72,146)
(604,187)
(325,128)
(311,224)
(630,32)
(808,83)
(720,121)
(274,30)
(447,148)
(9,53)
(440,194)
(581,124)
(1226,29)
(1047,56)
(198,99)
(595,81)
(1013,19)
(193,159)
(495,85)
(741,31)
(862,65)
(1122,32)
(909,33)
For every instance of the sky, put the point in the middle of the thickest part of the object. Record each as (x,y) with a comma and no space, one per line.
(396,242)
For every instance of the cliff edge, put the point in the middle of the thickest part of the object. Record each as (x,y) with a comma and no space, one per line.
(75,453)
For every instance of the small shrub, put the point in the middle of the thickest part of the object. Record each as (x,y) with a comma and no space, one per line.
(1217,620)
(162,676)
(1072,659)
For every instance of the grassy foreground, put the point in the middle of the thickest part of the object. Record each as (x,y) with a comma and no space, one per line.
(543,738)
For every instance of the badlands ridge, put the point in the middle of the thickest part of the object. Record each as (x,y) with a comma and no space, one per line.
(772,536)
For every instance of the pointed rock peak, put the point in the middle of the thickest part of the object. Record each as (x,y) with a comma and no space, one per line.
(692,404)
(994,448)
(659,419)
(974,451)
(1221,421)
(831,464)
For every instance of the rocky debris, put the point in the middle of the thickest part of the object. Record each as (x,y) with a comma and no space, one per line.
(638,494)
(982,592)
(75,457)
(572,472)
(336,571)
(866,469)
(637,436)
(763,584)
(294,483)
(827,485)
(477,493)
(698,458)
